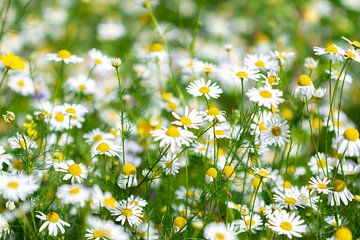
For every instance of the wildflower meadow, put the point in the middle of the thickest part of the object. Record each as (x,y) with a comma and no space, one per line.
(179,119)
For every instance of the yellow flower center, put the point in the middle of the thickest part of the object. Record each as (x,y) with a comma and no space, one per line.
(64,54)
(74,190)
(103,147)
(247,222)
(255,182)
(265,94)
(110,202)
(74,169)
(185,121)
(129,169)
(260,64)
(356,44)
(22,143)
(339,185)
(204,90)
(242,74)
(219,236)
(71,110)
(276,131)
(59,117)
(321,163)
(126,212)
(228,171)
(208,69)
(350,54)
(213,111)
(53,217)
(21,83)
(271,79)
(287,184)
(156,47)
(331,48)
(172,132)
(286,226)
(98,233)
(322,186)
(211,172)
(97,138)
(172,105)
(168,164)
(82,87)
(304,80)
(98,61)
(13,185)
(290,200)
(18,165)
(262,126)
(343,233)
(219,132)
(180,222)
(263,173)
(351,134)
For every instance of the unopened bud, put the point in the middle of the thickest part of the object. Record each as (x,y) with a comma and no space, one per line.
(116,62)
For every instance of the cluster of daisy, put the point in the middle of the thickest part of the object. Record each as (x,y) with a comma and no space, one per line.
(175,144)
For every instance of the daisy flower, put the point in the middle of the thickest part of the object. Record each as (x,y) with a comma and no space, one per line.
(263,172)
(22,84)
(127,212)
(52,222)
(260,61)
(290,198)
(340,194)
(271,78)
(137,201)
(18,186)
(98,57)
(75,172)
(352,55)
(277,132)
(21,142)
(200,88)
(63,56)
(76,114)
(127,177)
(102,199)
(310,63)
(305,88)
(251,223)
(215,231)
(204,67)
(319,185)
(334,52)
(237,73)
(170,164)
(221,130)
(173,136)
(82,84)
(265,96)
(284,223)
(319,164)
(73,194)
(191,119)
(107,148)
(104,230)
(338,75)
(348,143)
(213,113)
